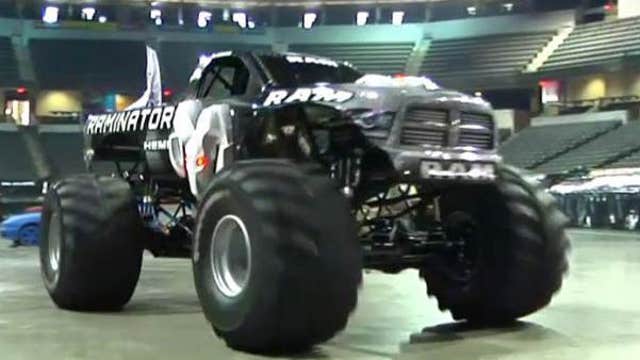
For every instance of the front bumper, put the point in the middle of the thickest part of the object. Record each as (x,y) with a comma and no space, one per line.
(464,165)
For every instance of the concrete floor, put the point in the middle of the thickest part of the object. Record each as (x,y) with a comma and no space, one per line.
(596,316)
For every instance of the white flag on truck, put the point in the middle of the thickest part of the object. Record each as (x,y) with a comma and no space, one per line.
(152,96)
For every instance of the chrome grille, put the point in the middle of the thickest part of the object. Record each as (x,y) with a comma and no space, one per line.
(476,130)
(425,127)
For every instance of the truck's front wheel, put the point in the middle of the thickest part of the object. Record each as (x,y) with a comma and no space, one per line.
(511,253)
(277,263)
(90,245)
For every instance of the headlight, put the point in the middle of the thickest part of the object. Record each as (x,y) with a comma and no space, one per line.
(374,123)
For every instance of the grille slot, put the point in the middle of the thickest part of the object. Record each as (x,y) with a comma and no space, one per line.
(476,130)
(424,127)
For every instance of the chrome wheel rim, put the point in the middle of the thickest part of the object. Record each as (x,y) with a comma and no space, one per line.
(53,240)
(230,256)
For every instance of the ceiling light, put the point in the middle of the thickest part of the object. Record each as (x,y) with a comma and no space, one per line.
(102,19)
(204,17)
(88,13)
(180,17)
(251,24)
(362,17)
(397,17)
(308,19)
(240,18)
(472,10)
(50,14)
(156,16)
(225,15)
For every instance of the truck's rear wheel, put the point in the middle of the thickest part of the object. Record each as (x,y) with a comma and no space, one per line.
(90,246)
(277,263)
(514,253)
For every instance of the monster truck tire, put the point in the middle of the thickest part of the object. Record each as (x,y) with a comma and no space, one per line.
(521,246)
(90,246)
(300,264)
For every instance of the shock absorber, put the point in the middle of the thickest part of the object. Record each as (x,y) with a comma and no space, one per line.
(147,206)
(346,171)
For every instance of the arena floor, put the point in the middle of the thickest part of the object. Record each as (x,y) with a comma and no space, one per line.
(596,316)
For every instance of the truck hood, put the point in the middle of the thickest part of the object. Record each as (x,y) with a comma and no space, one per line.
(380,94)
(392,98)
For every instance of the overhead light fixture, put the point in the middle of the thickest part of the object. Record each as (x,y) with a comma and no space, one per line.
(240,18)
(156,16)
(204,17)
(472,10)
(180,17)
(88,13)
(102,19)
(226,15)
(308,19)
(362,17)
(478,94)
(50,14)
(251,24)
(508,6)
(397,17)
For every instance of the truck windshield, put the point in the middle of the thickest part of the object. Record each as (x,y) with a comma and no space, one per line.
(303,70)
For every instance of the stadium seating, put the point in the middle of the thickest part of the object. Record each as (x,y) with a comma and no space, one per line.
(381,58)
(8,63)
(597,152)
(596,43)
(59,152)
(630,103)
(108,65)
(15,161)
(631,160)
(179,59)
(536,145)
(485,56)
(64,149)
(20,178)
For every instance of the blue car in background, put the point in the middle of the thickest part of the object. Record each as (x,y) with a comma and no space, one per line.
(23,228)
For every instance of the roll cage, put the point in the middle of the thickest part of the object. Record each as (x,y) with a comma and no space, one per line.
(245,76)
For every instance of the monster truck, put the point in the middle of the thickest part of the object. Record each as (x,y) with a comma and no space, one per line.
(284,175)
